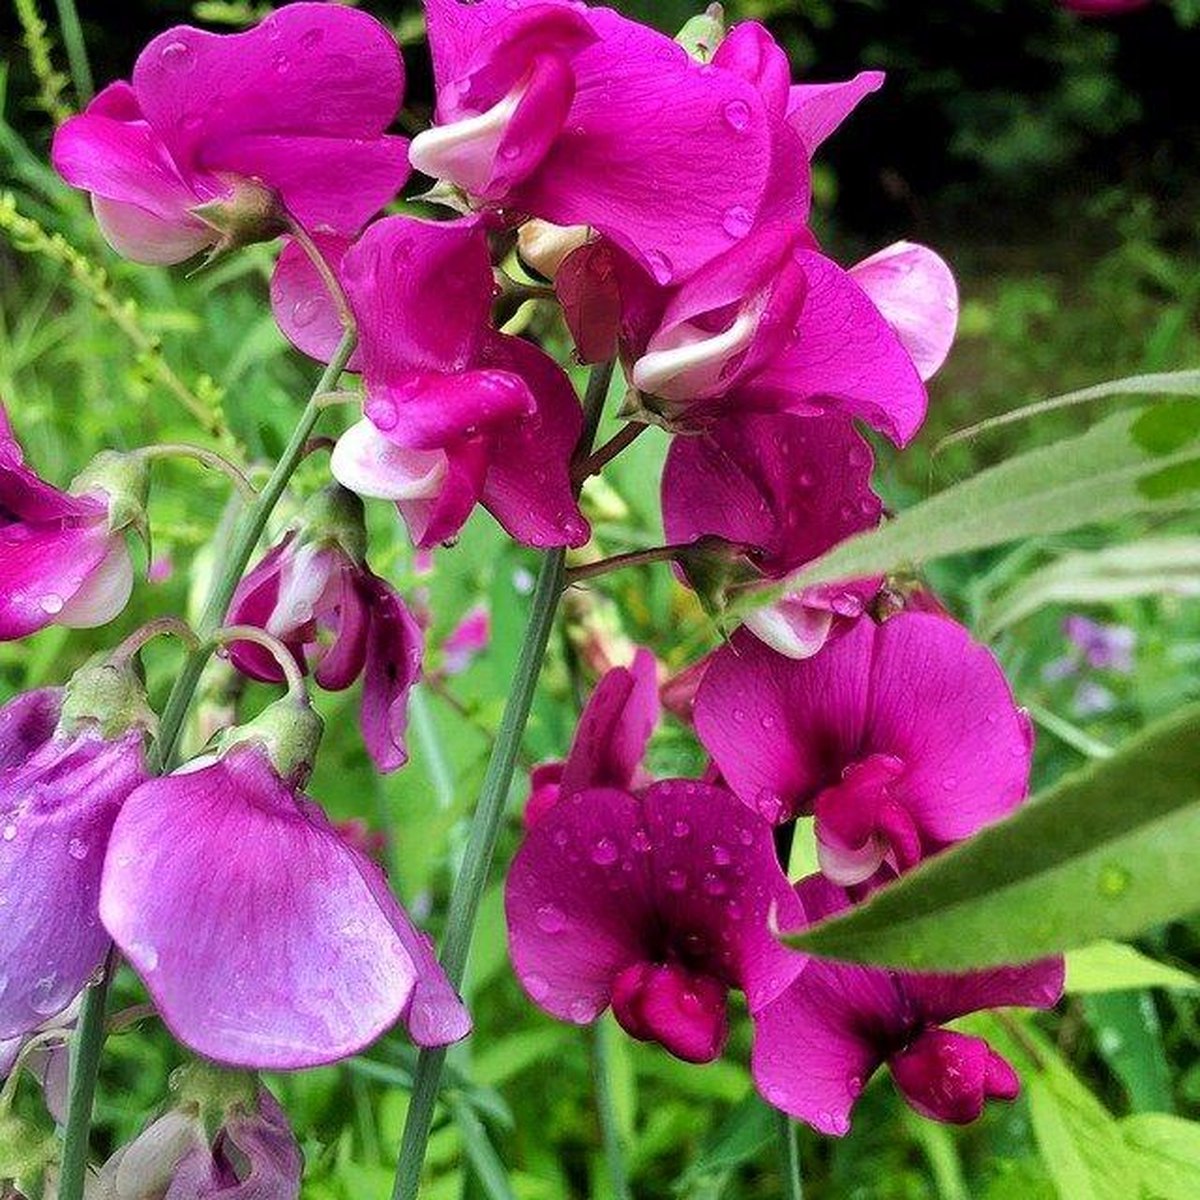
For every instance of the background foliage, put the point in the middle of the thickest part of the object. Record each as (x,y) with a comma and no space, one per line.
(1054,162)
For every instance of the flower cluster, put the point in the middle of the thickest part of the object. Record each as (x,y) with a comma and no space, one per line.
(659,192)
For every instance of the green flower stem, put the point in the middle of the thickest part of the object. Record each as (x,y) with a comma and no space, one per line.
(789,1149)
(76,47)
(89,1032)
(485,826)
(618,562)
(610,1134)
(85,1064)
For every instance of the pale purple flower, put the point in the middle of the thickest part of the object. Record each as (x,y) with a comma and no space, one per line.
(656,904)
(61,562)
(292,112)
(900,738)
(342,622)
(455,414)
(44,1053)
(581,116)
(60,792)
(1104,647)
(780,490)
(263,937)
(467,640)
(610,740)
(816,1046)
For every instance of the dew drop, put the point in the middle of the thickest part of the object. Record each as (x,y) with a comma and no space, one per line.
(508,153)
(304,312)
(48,996)
(550,919)
(51,603)
(661,267)
(177,56)
(582,1011)
(282,64)
(604,852)
(767,721)
(721,855)
(737,115)
(677,880)
(537,987)
(560,838)
(714,885)
(1114,881)
(737,221)
(77,848)
(681,829)
(10,831)
(641,842)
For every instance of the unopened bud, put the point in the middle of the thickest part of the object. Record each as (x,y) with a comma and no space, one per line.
(701,36)
(249,213)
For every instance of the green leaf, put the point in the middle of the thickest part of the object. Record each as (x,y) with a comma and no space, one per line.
(740,1137)
(1166,1152)
(1096,477)
(486,1163)
(1148,567)
(1115,967)
(1105,853)
(1129,1038)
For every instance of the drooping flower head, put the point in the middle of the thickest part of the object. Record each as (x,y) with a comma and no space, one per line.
(455,413)
(816,1046)
(656,904)
(263,937)
(316,594)
(217,131)
(610,739)
(68,761)
(583,117)
(778,490)
(901,738)
(63,555)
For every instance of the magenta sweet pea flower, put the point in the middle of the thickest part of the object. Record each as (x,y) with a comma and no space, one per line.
(780,490)
(466,641)
(314,592)
(63,780)
(263,937)
(900,738)
(455,413)
(63,556)
(610,740)
(776,326)
(583,117)
(816,1046)
(217,132)
(657,904)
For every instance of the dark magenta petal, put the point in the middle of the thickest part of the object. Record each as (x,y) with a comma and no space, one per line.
(545,788)
(395,645)
(345,614)
(254,603)
(57,809)
(948,1076)
(303,308)
(27,722)
(251,922)
(614,729)
(440,517)
(683,1011)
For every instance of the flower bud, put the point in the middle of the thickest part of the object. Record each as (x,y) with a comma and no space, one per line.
(249,213)
(703,33)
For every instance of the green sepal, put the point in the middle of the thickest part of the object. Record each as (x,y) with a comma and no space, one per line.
(701,35)
(108,695)
(289,731)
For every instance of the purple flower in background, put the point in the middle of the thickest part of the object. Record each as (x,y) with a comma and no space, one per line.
(900,738)
(217,130)
(610,739)
(63,557)
(816,1046)
(581,116)
(62,782)
(1097,647)
(657,904)
(468,639)
(455,414)
(780,490)
(263,937)
(314,592)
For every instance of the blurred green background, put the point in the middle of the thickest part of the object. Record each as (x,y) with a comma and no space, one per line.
(1054,162)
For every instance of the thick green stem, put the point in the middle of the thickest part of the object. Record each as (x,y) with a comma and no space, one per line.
(789,1150)
(76,47)
(89,1032)
(245,537)
(610,1133)
(485,827)
(85,1065)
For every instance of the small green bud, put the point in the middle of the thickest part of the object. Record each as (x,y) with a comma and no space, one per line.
(250,213)
(109,695)
(701,36)
(289,730)
(336,514)
(714,567)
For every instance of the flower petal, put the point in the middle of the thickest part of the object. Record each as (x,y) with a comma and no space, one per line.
(394,648)
(27,721)
(815,110)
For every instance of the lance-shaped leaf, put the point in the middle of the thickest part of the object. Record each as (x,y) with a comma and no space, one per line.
(1105,853)
(1168,565)
(1122,466)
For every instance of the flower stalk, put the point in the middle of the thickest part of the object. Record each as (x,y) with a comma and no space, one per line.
(789,1148)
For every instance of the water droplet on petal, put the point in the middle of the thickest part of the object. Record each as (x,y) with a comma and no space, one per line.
(680,829)
(282,64)
(737,221)
(304,311)
(641,842)
(604,853)
(677,880)
(550,919)
(311,39)
(737,115)
(177,56)
(77,848)
(48,996)
(582,1011)
(537,987)
(10,831)
(721,855)
(714,885)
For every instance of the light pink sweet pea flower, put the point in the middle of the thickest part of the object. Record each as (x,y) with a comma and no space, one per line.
(610,740)
(467,640)
(777,326)
(900,737)
(816,1046)
(60,561)
(342,622)
(581,116)
(657,904)
(293,112)
(263,937)
(781,490)
(455,413)
(60,792)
